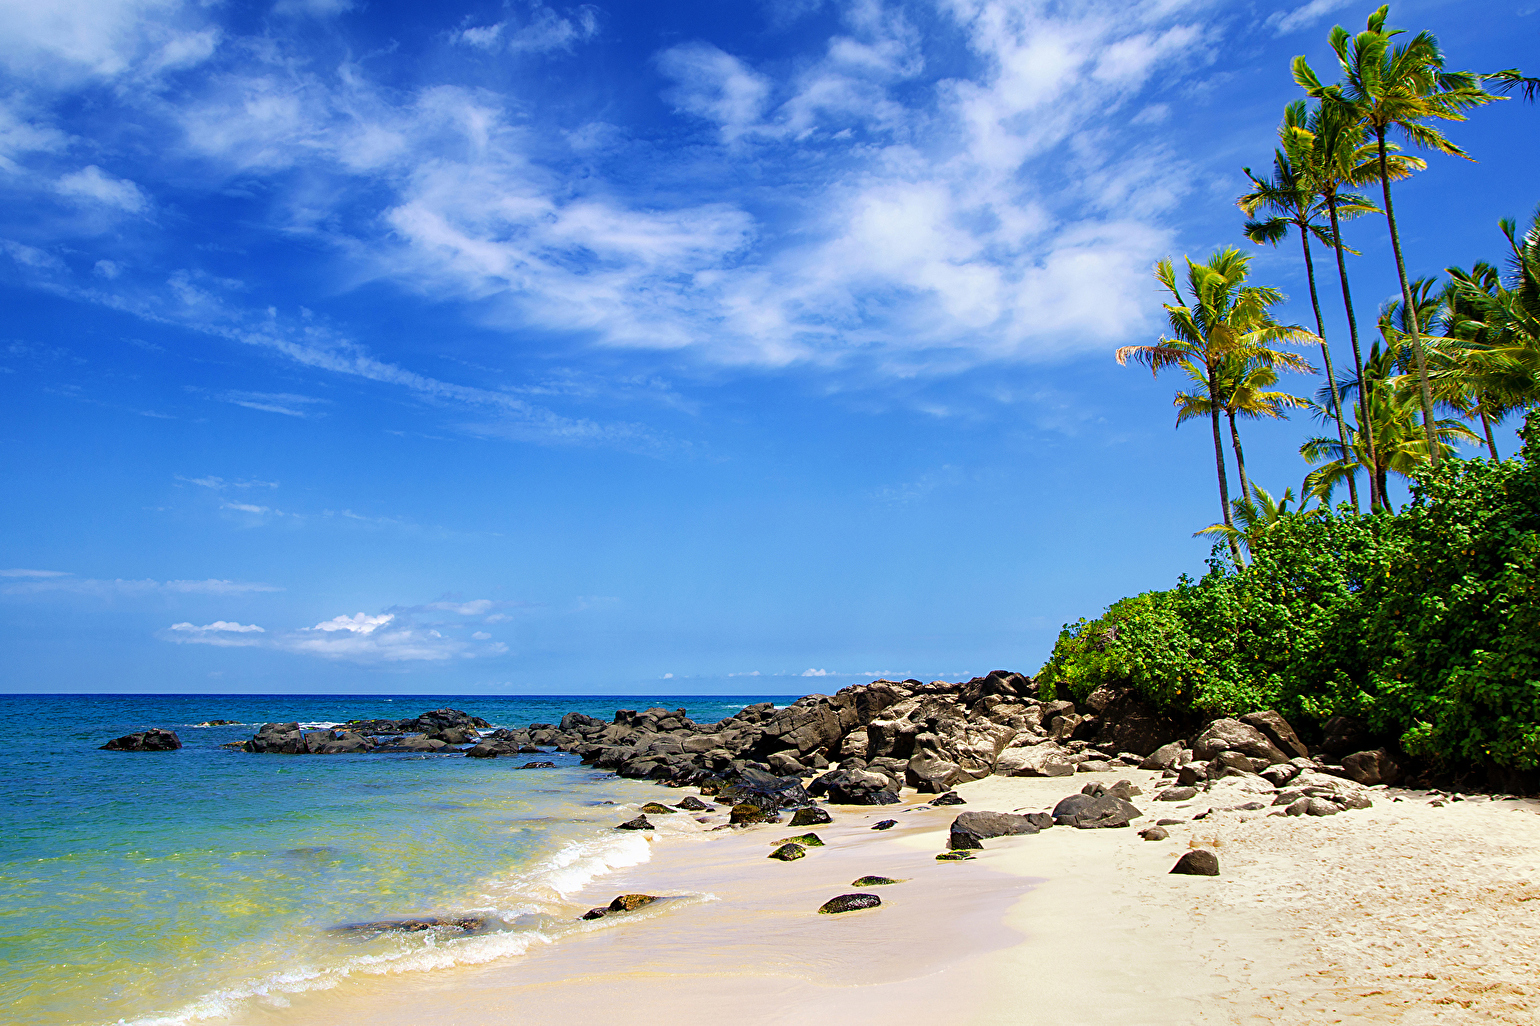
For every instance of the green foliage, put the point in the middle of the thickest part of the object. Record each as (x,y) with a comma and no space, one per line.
(1424,623)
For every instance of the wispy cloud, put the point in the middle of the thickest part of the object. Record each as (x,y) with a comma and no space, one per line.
(34,573)
(1285,22)
(131,588)
(218,483)
(540,31)
(220,633)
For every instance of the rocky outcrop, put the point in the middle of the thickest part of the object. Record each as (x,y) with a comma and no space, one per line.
(970,828)
(155,739)
(448,924)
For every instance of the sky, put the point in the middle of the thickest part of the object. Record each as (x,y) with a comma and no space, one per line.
(691,346)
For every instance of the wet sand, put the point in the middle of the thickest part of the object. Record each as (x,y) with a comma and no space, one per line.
(1402,913)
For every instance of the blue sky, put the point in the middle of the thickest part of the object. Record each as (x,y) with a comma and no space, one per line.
(642,346)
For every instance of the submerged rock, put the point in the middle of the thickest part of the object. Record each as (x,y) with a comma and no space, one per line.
(874,881)
(460,924)
(539,765)
(806,840)
(950,798)
(788,852)
(953,856)
(885,824)
(624,903)
(639,823)
(153,740)
(660,809)
(744,813)
(694,804)
(849,903)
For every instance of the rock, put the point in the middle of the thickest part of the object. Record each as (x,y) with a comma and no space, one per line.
(219,723)
(1168,822)
(1344,734)
(155,739)
(1370,768)
(1235,736)
(1087,813)
(694,804)
(950,798)
(1154,833)
(1094,766)
(1198,862)
(1045,760)
(929,773)
(806,840)
(854,787)
(1280,774)
(744,813)
(1277,730)
(810,816)
(849,903)
(1063,727)
(1124,789)
(874,881)
(483,751)
(786,765)
(971,827)
(655,808)
(788,852)
(458,924)
(547,765)
(639,823)
(1162,758)
(623,903)
(1192,773)
(1041,820)
(885,824)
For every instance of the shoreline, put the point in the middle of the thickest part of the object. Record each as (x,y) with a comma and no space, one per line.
(1405,912)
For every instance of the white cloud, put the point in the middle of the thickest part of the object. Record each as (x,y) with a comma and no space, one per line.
(715,85)
(358,623)
(34,573)
(123,588)
(482,636)
(218,483)
(818,673)
(93,183)
(245,507)
(543,31)
(1285,22)
(64,40)
(221,633)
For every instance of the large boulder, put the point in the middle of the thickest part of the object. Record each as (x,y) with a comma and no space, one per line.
(435,720)
(1162,758)
(156,739)
(929,773)
(854,787)
(1088,812)
(971,827)
(767,790)
(1370,768)
(1129,725)
(1234,736)
(1277,730)
(1043,760)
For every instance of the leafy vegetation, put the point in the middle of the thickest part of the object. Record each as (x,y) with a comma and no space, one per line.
(1424,623)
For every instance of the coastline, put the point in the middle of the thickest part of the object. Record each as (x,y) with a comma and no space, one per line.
(1405,912)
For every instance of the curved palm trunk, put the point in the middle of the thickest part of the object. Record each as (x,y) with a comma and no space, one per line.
(1486,426)
(1240,459)
(1219,465)
(1331,377)
(1364,423)
(1407,305)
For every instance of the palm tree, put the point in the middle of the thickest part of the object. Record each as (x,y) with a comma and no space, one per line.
(1402,444)
(1242,391)
(1295,194)
(1227,319)
(1398,88)
(1256,518)
(1462,367)
(1509,80)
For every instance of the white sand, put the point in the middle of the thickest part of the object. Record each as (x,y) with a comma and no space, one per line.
(1402,913)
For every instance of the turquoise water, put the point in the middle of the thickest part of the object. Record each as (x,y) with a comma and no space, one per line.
(165,887)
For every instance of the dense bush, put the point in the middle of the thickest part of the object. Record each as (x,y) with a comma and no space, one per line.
(1424,623)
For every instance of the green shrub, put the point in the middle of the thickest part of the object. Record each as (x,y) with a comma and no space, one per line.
(1424,623)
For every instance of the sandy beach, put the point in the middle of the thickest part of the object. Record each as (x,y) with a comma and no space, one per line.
(1405,912)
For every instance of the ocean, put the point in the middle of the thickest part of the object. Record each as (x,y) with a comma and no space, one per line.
(172,887)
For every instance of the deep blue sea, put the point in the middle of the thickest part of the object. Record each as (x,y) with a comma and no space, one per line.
(169,887)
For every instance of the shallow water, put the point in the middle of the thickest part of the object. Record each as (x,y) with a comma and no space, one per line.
(172,886)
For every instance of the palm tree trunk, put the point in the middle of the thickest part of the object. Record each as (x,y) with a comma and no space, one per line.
(1486,425)
(1364,424)
(1240,459)
(1384,479)
(1219,465)
(1407,305)
(1331,377)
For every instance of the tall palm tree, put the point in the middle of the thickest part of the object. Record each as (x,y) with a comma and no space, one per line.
(1227,319)
(1341,158)
(1295,195)
(1461,366)
(1398,88)
(1242,390)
